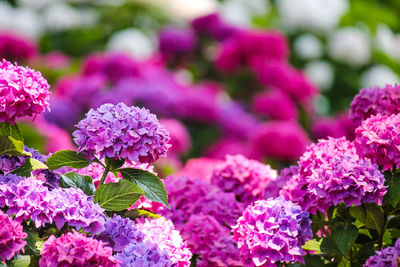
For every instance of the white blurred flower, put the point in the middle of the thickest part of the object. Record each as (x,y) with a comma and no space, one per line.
(36,4)
(240,12)
(321,104)
(388,42)
(27,22)
(378,75)
(321,73)
(61,16)
(6,15)
(308,46)
(186,9)
(350,45)
(132,42)
(315,15)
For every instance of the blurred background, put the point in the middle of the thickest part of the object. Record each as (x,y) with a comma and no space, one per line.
(261,78)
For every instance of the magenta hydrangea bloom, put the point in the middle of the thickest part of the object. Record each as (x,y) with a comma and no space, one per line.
(162,233)
(23,91)
(180,138)
(331,172)
(251,49)
(388,257)
(193,196)
(122,132)
(207,237)
(271,231)
(275,104)
(11,237)
(378,138)
(284,140)
(244,177)
(213,26)
(75,249)
(145,254)
(16,48)
(173,40)
(120,232)
(375,100)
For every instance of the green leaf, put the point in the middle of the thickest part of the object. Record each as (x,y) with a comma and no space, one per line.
(344,238)
(135,213)
(117,196)
(7,129)
(21,261)
(392,195)
(394,222)
(11,146)
(75,180)
(152,185)
(372,217)
(313,245)
(67,158)
(30,165)
(114,163)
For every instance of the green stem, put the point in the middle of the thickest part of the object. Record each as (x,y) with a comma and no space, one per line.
(106,171)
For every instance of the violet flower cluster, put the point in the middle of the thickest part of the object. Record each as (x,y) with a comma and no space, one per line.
(75,249)
(24,92)
(378,138)
(272,231)
(330,172)
(122,132)
(388,257)
(16,48)
(11,237)
(244,177)
(375,100)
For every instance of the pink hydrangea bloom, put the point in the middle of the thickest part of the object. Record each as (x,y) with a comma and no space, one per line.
(162,233)
(75,249)
(327,127)
(16,48)
(205,236)
(23,91)
(95,170)
(230,146)
(271,231)
(251,49)
(388,257)
(281,75)
(331,172)
(11,237)
(180,138)
(244,177)
(284,140)
(375,100)
(198,168)
(275,104)
(378,138)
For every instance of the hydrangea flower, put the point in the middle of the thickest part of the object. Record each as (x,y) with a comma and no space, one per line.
(375,100)
(193,196)
(10,179)
(120,232)
(11,237)
(388,257)
(162,233)
(122,132)
(378,139)
(174,40)
(180,138)
(75,249)
(284,140)
(271,231)
(331,172)
(24,92)
(9,163)
(207,237)
(212,25)
(95,171)
(275,104)
(145,254)
(15,48)
(244,177)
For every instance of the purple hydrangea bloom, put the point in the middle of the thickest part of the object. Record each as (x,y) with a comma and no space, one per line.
(9,163)
(75,249)
(120,232)
(122,132)
(212,25)
(145,254)
(193,196)
(271,231)
(24,92)
(10,179)
(16,48)
(175,40)
(244,177)
(388,257)
(331,172)
(378,138)
(205,236)
(375,100)
(162,233)
(11,237)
